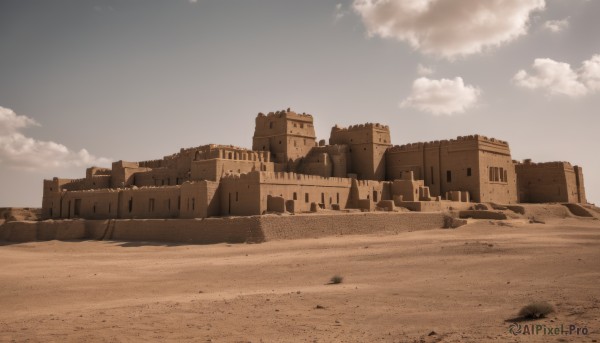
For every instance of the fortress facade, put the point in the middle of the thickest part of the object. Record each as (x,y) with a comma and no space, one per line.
(288,170)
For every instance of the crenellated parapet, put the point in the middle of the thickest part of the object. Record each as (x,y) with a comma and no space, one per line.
(358,127)
(288,113)
(542,165)
(446,142)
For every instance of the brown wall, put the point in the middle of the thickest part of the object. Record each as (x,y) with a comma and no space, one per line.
(218,230)
(367,144)
(287,135)
(214,169)
(460,164)
(549,182)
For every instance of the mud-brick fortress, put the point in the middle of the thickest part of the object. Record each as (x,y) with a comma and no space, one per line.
(288,170)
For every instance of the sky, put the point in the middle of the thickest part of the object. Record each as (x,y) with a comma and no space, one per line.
(87,82)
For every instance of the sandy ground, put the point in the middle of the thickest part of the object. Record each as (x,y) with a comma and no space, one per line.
(463,284)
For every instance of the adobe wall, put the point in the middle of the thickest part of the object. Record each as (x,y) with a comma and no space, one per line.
(548,182)
(327,161)
(580,185)
(374,191)
(367,145)
(156,177)
(199,199)
(214,169)
(409,157)
(252,229)
(286,134)
(496,173)
(247,194)
(122,173)
(459,164)
(240,195)
(322,225)
(97,204)
(149,202)
(407,188)
(306,189)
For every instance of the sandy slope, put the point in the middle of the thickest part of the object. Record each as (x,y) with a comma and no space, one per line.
(463,284)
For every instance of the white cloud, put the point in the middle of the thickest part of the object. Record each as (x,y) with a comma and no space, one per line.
(193,1)
(443,96)
(448,27)
(554,77)
(21,152)
(424,71)
(556,25)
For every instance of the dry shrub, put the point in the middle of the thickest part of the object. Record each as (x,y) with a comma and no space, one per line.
(536,310)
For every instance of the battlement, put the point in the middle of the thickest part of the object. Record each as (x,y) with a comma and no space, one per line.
(358,127)
(437,143)
(288,178)
(369,183)
(288,114)
(554,164)
(150,164)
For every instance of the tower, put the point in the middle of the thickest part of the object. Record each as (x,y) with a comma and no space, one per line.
(289,136)
(368,144)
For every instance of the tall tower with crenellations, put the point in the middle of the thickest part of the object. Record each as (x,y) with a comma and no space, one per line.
(289,136)
(368,144)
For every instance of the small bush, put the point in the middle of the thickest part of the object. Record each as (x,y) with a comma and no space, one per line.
(336,279)
(536,310)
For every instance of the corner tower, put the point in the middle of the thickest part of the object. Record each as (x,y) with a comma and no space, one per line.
(289,136)
(368,144)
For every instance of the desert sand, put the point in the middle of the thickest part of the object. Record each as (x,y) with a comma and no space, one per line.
(442,285)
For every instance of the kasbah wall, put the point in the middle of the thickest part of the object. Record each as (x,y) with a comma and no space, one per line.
(288,170)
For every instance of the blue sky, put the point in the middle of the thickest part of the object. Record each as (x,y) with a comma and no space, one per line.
(88,82)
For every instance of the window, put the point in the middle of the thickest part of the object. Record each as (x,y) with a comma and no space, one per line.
(505,176)
(295,196)
(322,198)
(374,196)
(151,205)
(338,198)
(448,176)
(230,156)
(468,171)
(270,125)
(130,205)
(305,197)
(491,173)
